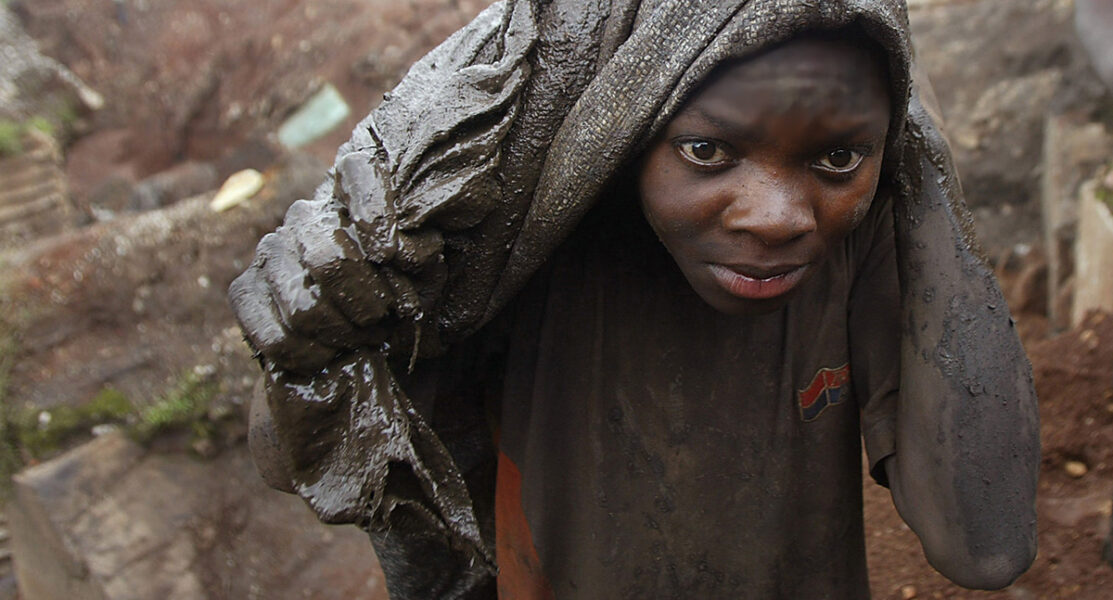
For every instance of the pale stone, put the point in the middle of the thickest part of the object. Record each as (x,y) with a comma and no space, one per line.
(1094,256)
(29,79)
(908,592)
(1073,149)
(1076,468)
(238,188)
(110,521)
(34,197)
(322,113)
(1093,20)
(1090,339)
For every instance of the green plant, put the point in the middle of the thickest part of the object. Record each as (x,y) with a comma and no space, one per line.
(185,404)
(10,138)
(10,460)
(43,431)
(1105,195)
(37,433)
(42,124)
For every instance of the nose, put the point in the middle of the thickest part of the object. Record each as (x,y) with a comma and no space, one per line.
(769,206)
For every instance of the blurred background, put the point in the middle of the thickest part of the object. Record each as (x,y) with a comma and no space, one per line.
(146,146)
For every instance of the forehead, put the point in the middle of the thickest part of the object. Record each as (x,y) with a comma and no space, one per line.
(814,74)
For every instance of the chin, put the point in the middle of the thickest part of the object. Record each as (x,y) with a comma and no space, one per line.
(743,307)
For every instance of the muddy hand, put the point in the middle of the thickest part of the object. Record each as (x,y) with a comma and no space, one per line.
(309,293)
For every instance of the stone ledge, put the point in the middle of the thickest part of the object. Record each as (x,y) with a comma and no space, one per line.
(1094,255)
(111,521)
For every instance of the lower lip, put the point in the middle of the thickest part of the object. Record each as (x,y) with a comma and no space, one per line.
(752,288)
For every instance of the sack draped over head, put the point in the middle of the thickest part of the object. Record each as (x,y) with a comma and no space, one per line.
(453,191)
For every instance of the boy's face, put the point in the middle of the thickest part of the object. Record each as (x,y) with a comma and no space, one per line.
(767,169)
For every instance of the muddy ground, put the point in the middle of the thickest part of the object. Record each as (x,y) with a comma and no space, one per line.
(130,304)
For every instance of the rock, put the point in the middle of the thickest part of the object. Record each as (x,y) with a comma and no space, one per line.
(110,197)
(1060,308)
(1093,19)
(1019,592)
(1029,294)
(322,113)
(32,84)
(1089,339)
(1073,149)
(237,189)
(34,198)
(1071,512)
(1093,254)
(176,183)
(908,592)
(1076,468)
(997,67)
(111,521)
(140,298)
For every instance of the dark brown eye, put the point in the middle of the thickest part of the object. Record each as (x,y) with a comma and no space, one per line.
(702,152)
(840,160)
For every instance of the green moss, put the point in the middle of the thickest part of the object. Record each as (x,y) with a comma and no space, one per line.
(184,406)
(11,134)
(55,120)
(10,458)
(33,434)
(42,432)
(42,124)
(1103,193)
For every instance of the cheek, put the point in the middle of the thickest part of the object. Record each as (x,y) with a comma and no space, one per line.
(861,207)
(847,207)
(662,197)
(677,215)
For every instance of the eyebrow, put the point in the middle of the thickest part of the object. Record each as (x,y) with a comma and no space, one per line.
(734,129)
(757,133)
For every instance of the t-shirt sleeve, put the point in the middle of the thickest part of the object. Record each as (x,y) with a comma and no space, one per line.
(874,322)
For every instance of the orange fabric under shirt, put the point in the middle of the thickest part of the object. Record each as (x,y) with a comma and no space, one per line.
(520,575)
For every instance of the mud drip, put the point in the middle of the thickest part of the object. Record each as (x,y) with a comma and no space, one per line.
(349,431)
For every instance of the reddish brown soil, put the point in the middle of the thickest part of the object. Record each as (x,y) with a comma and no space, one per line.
(199,80)
(1074,381)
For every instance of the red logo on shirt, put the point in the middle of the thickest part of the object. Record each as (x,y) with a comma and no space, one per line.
(828,388)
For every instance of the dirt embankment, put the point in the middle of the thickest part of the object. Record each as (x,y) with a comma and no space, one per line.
(209,80)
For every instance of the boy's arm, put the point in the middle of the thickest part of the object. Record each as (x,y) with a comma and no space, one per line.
(967,433)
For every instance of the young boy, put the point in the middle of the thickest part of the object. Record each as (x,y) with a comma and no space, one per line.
(676,260)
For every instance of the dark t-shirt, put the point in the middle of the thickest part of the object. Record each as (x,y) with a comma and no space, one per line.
(651,447)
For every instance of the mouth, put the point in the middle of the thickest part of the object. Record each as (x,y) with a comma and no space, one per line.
(754,283)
